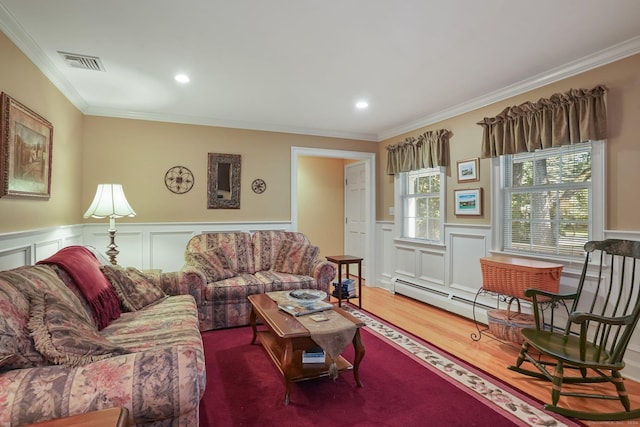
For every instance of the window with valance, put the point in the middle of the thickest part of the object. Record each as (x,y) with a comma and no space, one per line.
(551,173)
(565,118)
(418,165)
(428,150)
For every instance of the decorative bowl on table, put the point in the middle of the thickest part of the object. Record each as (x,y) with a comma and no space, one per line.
(307,296)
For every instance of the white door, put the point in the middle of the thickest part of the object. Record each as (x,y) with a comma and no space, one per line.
(355,229)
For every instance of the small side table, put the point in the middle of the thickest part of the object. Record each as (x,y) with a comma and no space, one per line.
(112,417)
(341,260)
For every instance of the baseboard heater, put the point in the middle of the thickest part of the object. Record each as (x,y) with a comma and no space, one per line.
(468,302)
(422,288)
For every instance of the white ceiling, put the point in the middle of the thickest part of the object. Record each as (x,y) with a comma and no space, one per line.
(300,65)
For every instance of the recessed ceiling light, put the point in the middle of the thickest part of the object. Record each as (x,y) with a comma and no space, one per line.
(182,78)
(361,105)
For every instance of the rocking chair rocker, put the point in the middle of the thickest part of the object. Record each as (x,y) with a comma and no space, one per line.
(601,319)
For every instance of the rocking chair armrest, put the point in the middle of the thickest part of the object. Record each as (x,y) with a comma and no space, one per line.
(581,318)
(532,292)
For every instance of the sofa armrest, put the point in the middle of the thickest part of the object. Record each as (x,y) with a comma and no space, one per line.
(323,272)
(154,385)
(188,281)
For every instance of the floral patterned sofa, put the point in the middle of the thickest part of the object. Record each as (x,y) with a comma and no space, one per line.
(230,266)
(60,357)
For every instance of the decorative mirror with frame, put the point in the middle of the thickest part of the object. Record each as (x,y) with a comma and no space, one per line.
(223,187)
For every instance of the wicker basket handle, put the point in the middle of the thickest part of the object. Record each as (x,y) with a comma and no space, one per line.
(509,316)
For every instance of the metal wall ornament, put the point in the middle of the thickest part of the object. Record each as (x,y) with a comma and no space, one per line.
(258,186)
(179,179)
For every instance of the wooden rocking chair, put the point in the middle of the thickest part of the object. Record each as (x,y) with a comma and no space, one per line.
(602,315)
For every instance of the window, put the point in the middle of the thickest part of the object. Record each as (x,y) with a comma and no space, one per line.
(547,199)
(422,203)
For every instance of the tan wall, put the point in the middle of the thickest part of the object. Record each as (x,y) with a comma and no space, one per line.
(90,150)
(138,153)
(22,80)
(622,78)
(321,202)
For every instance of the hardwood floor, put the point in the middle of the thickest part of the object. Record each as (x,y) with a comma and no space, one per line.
(453,334)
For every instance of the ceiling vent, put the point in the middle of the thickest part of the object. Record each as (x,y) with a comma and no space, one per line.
(82,61)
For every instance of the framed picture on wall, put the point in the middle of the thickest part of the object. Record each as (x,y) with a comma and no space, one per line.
(25,151)
(468,202)
(468,170)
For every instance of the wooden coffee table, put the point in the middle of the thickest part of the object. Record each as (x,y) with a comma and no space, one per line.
(285,338)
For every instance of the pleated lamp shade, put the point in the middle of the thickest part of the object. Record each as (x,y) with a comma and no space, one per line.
(109,202)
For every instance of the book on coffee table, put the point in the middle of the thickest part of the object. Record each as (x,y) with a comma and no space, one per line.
(296,309)
(313,355)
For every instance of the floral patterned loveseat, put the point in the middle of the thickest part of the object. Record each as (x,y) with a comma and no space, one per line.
(230,266)
(58,357)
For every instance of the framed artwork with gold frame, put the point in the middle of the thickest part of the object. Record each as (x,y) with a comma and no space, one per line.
(26,146)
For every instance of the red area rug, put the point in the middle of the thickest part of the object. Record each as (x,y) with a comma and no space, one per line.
(406,382)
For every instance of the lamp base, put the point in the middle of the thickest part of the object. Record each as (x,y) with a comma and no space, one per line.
(112,250)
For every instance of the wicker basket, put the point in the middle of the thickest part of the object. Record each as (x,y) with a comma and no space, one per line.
(507,325)
(511,276)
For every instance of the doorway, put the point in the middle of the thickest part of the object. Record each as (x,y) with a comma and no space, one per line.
(368,193)
(355,223)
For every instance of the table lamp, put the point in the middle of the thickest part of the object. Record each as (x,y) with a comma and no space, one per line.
(110,202)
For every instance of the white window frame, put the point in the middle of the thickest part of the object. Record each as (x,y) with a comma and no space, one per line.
(597,212)
(400,181)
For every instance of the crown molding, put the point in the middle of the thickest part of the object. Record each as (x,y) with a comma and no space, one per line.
(19,36)
(589,62)
(235,124)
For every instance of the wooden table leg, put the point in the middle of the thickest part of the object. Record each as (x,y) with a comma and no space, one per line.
(287,362)
(340,285)
(252,322)
(360,284)
(359,348)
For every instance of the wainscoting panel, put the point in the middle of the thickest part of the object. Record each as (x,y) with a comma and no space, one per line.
(15,257)
(431,266)
(465,248)
(167,249)
(443,275)
(383,264)
(421,272)
(405,257)
(128,241)
(27,247)
(46,249)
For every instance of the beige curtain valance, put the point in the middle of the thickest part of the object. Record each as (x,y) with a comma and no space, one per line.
(431,149)
(565,118)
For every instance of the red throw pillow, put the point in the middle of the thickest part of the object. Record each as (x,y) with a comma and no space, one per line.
(84,268)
